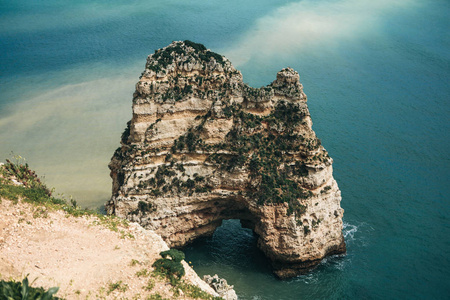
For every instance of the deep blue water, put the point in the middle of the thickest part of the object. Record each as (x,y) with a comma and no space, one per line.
(377,78)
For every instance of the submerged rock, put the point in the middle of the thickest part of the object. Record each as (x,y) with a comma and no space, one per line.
(202,147)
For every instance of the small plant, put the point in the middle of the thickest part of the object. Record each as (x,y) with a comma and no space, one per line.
(156,297)
(136,297)
(145,206)
(119,285)
(23,290)
(111,222)
(135,262)
(150,285)
(73,202)
(142,273)
(40,212)
(126,133)
(124,235)
(316,223)
(306,229)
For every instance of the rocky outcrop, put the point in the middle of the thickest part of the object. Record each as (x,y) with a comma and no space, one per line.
(202,147)
(221,286)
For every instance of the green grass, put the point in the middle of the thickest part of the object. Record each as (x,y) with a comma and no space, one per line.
(135,262)
(150,285)
(117,286)
(195,292)
(32,190)
(142,273)
(156,297)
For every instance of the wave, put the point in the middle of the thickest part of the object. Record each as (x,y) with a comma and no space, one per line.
(357,235)
(349,231)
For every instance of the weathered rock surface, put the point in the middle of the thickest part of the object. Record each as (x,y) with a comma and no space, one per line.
(202,147)
(221,286)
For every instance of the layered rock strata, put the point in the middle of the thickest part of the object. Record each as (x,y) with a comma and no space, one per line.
(202,147)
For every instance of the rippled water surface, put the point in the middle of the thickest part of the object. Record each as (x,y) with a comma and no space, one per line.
(377,78)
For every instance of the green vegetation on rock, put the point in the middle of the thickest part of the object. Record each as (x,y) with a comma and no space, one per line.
(261,149)
(170,265)
(264,145)
(19,182)
(166,56)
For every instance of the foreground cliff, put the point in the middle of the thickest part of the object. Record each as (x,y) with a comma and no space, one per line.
(86,255)
(202,147)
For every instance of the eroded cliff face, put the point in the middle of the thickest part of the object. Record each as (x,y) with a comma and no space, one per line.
(202,147)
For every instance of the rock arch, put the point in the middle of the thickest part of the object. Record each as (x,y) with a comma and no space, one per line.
(202,147)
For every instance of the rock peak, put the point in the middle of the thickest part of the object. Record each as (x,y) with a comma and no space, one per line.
(185,56)
(202,147)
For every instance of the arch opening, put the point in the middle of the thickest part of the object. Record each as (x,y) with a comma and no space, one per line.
(231,252)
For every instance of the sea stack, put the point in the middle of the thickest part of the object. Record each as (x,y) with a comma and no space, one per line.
(202,146)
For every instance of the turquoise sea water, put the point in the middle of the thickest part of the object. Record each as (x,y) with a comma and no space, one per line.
(377,78)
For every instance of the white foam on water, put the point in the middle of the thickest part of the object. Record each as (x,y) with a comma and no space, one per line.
(357,234)
(339,262)
(349,231)
(310,278)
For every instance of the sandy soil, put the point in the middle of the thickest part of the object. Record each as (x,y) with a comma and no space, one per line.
(79,255)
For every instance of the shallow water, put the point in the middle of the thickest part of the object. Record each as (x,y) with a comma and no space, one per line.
(376,74)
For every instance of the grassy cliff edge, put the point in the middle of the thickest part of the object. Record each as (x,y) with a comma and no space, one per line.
(87,255)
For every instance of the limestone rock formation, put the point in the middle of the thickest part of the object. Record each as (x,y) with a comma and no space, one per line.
(202,147)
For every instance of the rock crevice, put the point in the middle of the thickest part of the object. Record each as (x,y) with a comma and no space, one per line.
(202,147)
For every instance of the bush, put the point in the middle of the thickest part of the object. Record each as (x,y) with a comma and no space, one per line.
(170,265)
(126,133)
(306,229)
(22,173)
(197,47)
(144,206)
(174,254)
